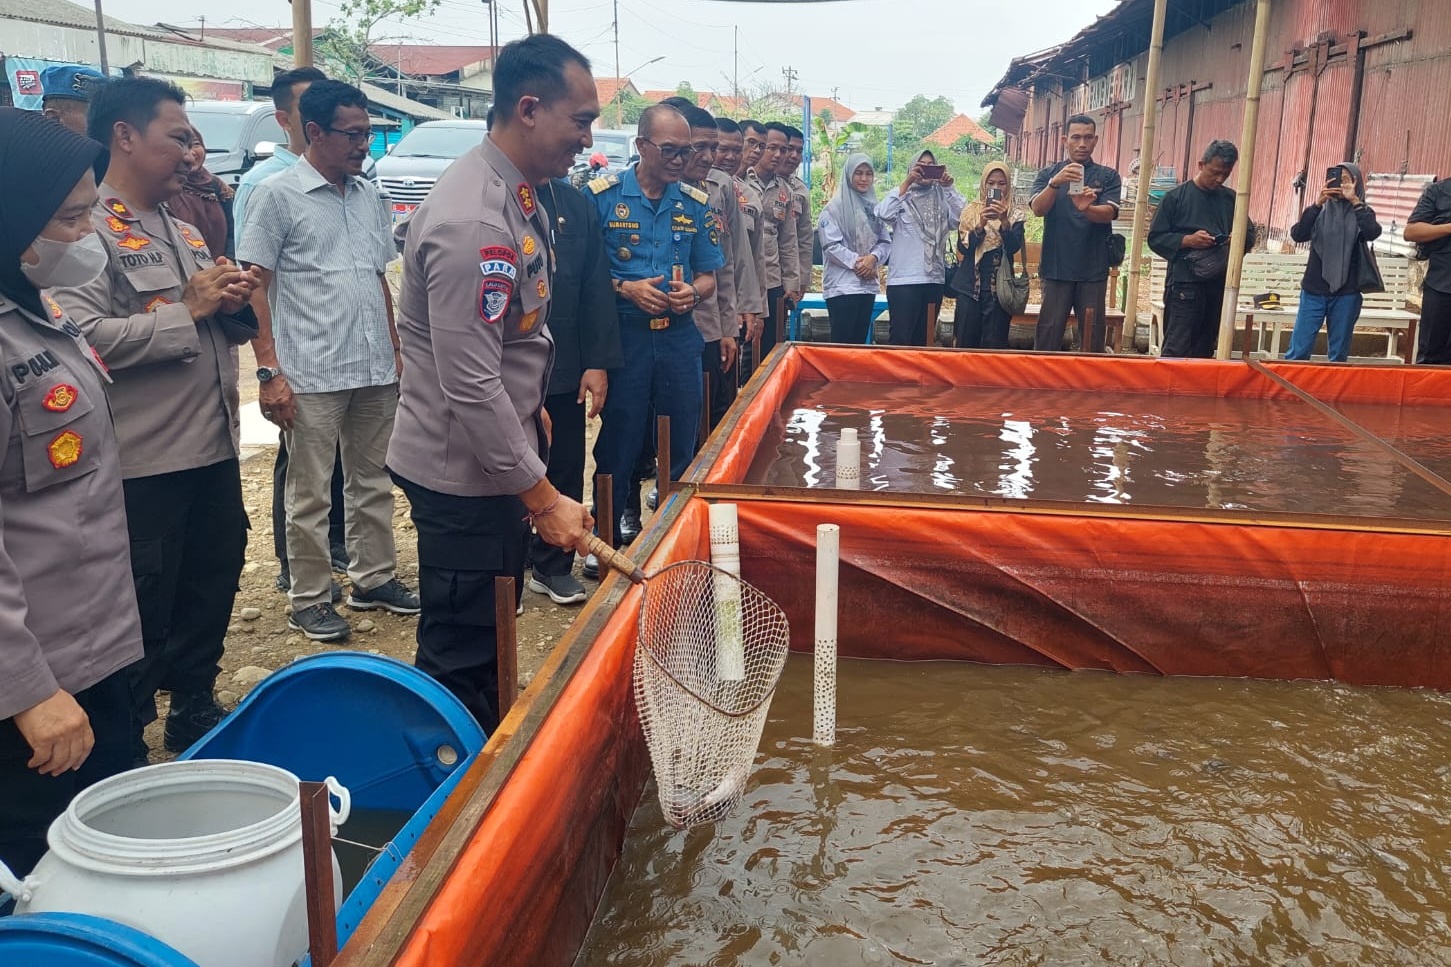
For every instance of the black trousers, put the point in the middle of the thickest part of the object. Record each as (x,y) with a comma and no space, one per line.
(851,317)
(188,542)
(722,385)
(565,471)
(31,801)
(908,305)
(464,543)
(335,517)
(1433,340)
(982,322)
(1191,319)
(1061,298)
(768,333)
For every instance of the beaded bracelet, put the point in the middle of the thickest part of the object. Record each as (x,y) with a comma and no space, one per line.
(532,516)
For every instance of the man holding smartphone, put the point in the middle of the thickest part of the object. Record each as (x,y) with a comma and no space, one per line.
(1191,232)
(1078,201)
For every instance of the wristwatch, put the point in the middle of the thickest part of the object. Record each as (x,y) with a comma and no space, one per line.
(266,374)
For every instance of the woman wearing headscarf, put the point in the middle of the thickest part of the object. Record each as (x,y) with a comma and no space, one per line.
(205,201)
(991,230)
(68,620)
(1337,226)
(920,214)
(854,245)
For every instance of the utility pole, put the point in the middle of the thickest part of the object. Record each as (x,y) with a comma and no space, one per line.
(619,84)
(736,69)
(400,66)
(101,40)
(301,32)
(790,74)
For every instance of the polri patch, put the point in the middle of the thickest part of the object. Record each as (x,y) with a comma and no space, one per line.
(542,289)
(527,323)
(65,450)
(62,396)
(155,304)
(530,246)
(622,211)
(494,295)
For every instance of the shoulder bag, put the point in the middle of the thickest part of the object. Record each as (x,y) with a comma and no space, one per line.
(1010,288)
(1367,271)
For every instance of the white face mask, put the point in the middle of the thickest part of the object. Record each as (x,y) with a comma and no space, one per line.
(66,265)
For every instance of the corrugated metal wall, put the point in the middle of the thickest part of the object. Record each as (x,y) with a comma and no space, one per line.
(1403,125)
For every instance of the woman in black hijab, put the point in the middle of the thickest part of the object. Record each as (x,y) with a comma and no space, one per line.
(68,621)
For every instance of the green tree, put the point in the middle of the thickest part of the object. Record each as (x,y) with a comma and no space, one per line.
(919,117)
(349,35)
(985,121)
(684,90)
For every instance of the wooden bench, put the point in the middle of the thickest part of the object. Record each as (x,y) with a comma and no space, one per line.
(1281,273)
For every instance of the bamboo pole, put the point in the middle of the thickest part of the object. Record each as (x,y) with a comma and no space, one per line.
(1246,179)
(302,33)
(1146,176)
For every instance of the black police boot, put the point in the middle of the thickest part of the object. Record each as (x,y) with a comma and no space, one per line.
(192,715)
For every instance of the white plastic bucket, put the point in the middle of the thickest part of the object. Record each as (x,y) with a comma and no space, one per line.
(204,855)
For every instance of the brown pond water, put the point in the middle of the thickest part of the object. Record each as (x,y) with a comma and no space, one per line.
(1006,816)
(1140,449)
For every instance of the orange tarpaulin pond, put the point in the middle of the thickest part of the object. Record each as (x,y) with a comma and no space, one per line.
(1336,567)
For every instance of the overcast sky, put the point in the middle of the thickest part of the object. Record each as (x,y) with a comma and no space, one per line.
(872,53)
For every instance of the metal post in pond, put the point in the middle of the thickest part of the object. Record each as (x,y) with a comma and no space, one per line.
(725,554)
(848,460)
(605,508)
(506,639)
(828,560)
(705,406)
(662,460)
(317,870)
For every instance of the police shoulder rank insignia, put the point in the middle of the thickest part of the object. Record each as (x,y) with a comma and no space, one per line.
(622,211)
(65,450)
(690,191)
(191,239)
(62,396)
(118,207)
(133,242)
(526,199)
(56,312)
(598,185)
(529,245)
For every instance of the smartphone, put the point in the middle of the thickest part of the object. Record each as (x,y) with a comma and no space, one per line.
(1332,175)
(1075,188)
(994,194)
(1221,240)
(933,172)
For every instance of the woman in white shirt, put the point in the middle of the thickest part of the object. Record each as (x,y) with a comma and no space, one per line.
(920,213)
(854,245)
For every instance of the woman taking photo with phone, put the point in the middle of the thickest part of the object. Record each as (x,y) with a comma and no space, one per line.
(854,245)
(991,230)
(920,214)
(1338,227)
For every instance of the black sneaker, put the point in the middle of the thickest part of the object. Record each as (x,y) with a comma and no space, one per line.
(192,716)
(561,588)
(339,555)
(591,568)
(629,527)
(392,596)
(284,584)
(321,622)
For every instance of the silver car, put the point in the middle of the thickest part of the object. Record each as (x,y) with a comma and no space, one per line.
(408,172)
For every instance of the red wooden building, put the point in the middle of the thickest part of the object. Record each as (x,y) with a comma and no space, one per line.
(1359,80)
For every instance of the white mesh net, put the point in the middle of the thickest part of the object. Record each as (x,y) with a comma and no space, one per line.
(711,650)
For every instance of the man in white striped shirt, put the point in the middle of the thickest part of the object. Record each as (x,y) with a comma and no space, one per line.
(320,233)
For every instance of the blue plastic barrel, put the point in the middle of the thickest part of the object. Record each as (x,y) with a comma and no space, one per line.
(77,940)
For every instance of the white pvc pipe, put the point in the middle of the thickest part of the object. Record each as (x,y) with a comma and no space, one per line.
(828,559)
(848,461)
(725,554)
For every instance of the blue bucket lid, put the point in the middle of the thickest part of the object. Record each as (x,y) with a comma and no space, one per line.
(78,940)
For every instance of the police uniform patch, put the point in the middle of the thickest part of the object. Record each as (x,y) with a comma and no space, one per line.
(191,239)
(529,245)
(56,312)
(634,240)
(494,295)
(155,304)
(526,199)
(62,396)
(623,254)
(527,323)
(133,242)
(542,289)
(116,225)
(622,211)
(499,267)
(65,450)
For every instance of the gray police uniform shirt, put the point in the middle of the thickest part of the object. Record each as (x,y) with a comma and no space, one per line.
(174,389)
(716,317)
(779,249)
(805,233)
(646,239)
(64,550)
(753,293)
(472,314)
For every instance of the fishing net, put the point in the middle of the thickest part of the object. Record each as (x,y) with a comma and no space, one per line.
(711,650)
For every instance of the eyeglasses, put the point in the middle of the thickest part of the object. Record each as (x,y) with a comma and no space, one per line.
(668,152)
(356,137)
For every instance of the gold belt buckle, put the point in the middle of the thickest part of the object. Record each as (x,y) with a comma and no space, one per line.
(661,323)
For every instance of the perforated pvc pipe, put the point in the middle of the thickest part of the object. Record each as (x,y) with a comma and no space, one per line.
(828,555)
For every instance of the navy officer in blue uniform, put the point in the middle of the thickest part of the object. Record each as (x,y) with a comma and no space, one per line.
(663,249)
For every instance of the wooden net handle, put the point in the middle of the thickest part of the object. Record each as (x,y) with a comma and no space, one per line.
(613,558)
